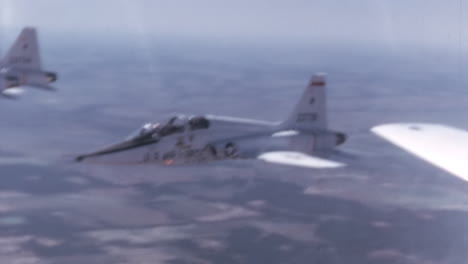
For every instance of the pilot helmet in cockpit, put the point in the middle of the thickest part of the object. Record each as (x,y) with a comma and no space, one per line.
(147,131)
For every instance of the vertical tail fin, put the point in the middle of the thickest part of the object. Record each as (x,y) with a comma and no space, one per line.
(24,54)
(310,111)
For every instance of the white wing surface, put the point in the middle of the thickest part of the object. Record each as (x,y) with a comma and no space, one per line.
(298,159)
(6,92)
(443,146)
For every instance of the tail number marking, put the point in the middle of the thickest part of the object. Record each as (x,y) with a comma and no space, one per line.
(306,117)
(19,60)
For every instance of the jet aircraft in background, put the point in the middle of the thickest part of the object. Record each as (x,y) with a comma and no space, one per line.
(440,145)
(301,140)
(21,66)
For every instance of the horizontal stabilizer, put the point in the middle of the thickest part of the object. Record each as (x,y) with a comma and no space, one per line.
(443,146)
(41,86)
(11,93)
(299,159)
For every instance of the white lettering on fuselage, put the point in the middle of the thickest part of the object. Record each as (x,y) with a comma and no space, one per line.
(306,117)
(186,153)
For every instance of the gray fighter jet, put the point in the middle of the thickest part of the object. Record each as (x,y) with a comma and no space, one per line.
(21,66)
(301,140)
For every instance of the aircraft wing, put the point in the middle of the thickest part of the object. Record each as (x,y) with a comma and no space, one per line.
(40,86)
(443,146)
(4,90)
(298,159)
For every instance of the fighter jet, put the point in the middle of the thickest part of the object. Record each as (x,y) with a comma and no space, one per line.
(442,146)
(303,139)
(21,66)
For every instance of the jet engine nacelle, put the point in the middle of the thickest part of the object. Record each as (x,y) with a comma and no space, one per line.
(328,141)
(51,76)
(38,77)
(340,138)
(17,77)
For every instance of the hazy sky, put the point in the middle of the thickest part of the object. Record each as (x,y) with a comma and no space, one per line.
(393,23)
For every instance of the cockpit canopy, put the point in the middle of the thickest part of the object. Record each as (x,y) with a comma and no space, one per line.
(147,131)
(175,124)
(180,123)
(199,122)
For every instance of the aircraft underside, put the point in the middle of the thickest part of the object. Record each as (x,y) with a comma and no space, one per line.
(180,154)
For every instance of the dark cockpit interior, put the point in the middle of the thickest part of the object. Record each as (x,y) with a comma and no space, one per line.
(198,122)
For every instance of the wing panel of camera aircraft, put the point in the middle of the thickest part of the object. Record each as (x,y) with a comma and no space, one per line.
(442,146)
(21,66)
(301,140)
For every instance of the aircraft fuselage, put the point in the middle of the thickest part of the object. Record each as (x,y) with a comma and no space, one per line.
(225,138)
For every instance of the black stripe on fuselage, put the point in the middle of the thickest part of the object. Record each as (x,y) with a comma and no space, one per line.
(117,148)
